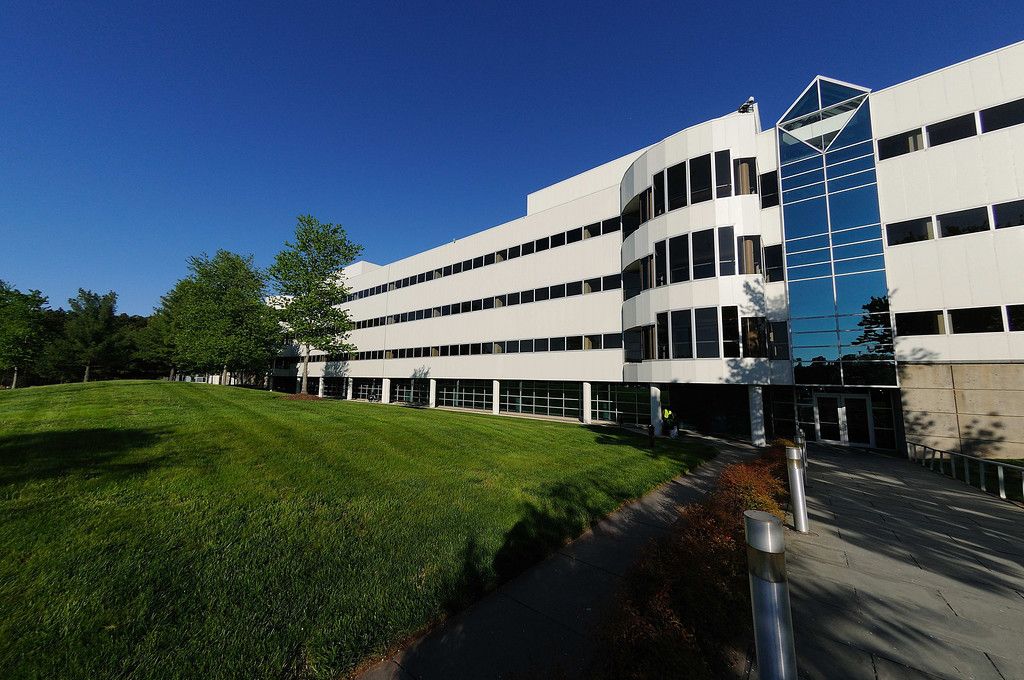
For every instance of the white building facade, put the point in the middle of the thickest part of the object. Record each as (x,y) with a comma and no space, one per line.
(854,271)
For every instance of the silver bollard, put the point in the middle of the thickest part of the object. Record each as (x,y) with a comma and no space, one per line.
(795,464)
(801,442)
(769,596)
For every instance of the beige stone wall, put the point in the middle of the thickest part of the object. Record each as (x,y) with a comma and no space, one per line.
(974,408)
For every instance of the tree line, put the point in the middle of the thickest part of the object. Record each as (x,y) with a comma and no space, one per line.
(226,316)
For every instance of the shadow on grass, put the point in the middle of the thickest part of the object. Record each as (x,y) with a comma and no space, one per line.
(41,456)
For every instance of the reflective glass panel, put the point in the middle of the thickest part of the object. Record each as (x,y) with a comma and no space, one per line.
(792,149)
(850,181)
(860,264)
(806,218)
(810,271)
(806,104)
(803,166)
(811,298)
(854,208)
(857,129)
(833,93)
(859,293)
(858,250)
(811,243)
(809,257)
(803,179)
(854,235)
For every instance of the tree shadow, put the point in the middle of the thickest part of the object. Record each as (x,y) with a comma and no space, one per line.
(41,456)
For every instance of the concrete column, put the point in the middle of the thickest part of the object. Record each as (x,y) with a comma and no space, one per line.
(587,416)
(385,391)
(320,388)
(656,410)
(495,394)
(433,394)
(755,400)
(348,388)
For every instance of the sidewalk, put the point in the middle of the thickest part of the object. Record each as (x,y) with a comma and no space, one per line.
(905,574)
(539,624)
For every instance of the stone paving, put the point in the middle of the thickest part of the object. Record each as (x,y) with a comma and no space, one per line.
(905,574)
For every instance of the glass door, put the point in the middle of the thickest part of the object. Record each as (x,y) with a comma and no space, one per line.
(858,421)
(829,423)
(843,419)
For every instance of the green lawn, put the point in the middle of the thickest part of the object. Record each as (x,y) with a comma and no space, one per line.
(151,529)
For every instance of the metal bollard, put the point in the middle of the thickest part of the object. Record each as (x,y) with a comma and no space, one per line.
(769,596)
(795,464)
(801,442)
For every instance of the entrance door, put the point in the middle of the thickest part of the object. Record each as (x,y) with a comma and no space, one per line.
(843,419)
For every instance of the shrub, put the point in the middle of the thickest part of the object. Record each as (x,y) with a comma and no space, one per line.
(685,604)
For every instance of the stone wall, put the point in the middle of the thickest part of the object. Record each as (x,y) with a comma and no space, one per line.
(975,408)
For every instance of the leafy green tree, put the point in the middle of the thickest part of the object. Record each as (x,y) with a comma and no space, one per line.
(307,277)
(90,332)
(219,317)
(154,342)
(22,327)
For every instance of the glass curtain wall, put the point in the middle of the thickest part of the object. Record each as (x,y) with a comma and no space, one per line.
(835,273)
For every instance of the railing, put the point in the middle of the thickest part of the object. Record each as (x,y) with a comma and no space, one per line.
(982,473)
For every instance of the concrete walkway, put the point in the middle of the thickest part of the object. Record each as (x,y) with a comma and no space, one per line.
(539,624)
(906,574)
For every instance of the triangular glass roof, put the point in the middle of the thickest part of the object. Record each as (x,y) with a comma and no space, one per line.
(821,93)
(857,129)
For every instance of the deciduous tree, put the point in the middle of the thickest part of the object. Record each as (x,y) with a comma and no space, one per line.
(21,328)
(91,329)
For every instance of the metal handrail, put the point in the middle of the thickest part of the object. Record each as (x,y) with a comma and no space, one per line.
(929,456)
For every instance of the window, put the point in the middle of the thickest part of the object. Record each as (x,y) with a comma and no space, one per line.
(501,255)
(476,305)
(499,301)
(611,282)
(682,334)
(723,174)
(511,346)
(592,285)
(557,291)
(951,130)
(574,342)
(610,225)
(634,345)
(513,252)
(540,345)
(631,217)
(909,231)
(527,248)
(770,189)
(526,296)
(612,341)
(897,145)
(730,332)
(963,222)
(750,254)
(1008,214)
(592,230)
(679,258)
(1015,315)
(726,252)
(754,332)
(650,342)
(1002,116)
(700,179)
(541,244)
(704,254)
(705,321)
(773,264)
(976,320)
(558,240)
(574,235)
(745,176)
(540,294)
(659,193)
(457,268)
(574,288)
(632,280)
(778,340)
(512,299)
(676,186)
(557,344)
(660,264)
(447,271)
(662,335)
(525,346)
(467,265)
(921,323)
(591,342)
(488,259)
(488,303)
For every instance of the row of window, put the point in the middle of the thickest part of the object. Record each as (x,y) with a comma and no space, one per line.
(956,223)
(969,320)
(541,397)
(700,179)
(530,247)
(694,333)
(559,290)
(960,127)
(560,344)
(694,256)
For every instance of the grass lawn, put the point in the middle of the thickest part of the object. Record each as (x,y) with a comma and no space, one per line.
(152,529)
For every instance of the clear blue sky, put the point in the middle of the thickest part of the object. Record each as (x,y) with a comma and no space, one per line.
(134,135)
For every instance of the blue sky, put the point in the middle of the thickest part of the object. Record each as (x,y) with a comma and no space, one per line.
(133,136)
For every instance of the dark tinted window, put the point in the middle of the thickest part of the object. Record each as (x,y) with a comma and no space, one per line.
(488,259)
(558,291)
(1008,214)
(920,323)
(478,262)
(706,324)
(700,179)
(770,189)
(976,320)
(611,225)
(730,332)
(527,248)
(745,176)
(513,252)
(773,267)
(723,174)
(662,325)
(526,345)
(1015,315)
(541,244)
(679,258)
(951,130)
(557,344)
(574,288)
(447,271)
(512,346)
(574,235)
(512,299)
(682,334)
(897,145)
(488,303)
(540,294)
(540,345)
(592,342)
(1004,115)
(660,264)
(612,281)
(574,342)
(457,268)
(704,254)
(909,231)
(677,186)
(557,240)
(526,296)
(726,251)
(593,285)
(963,222)
(659,193)
(613,341)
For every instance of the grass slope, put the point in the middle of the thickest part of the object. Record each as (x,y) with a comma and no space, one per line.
(152,529)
